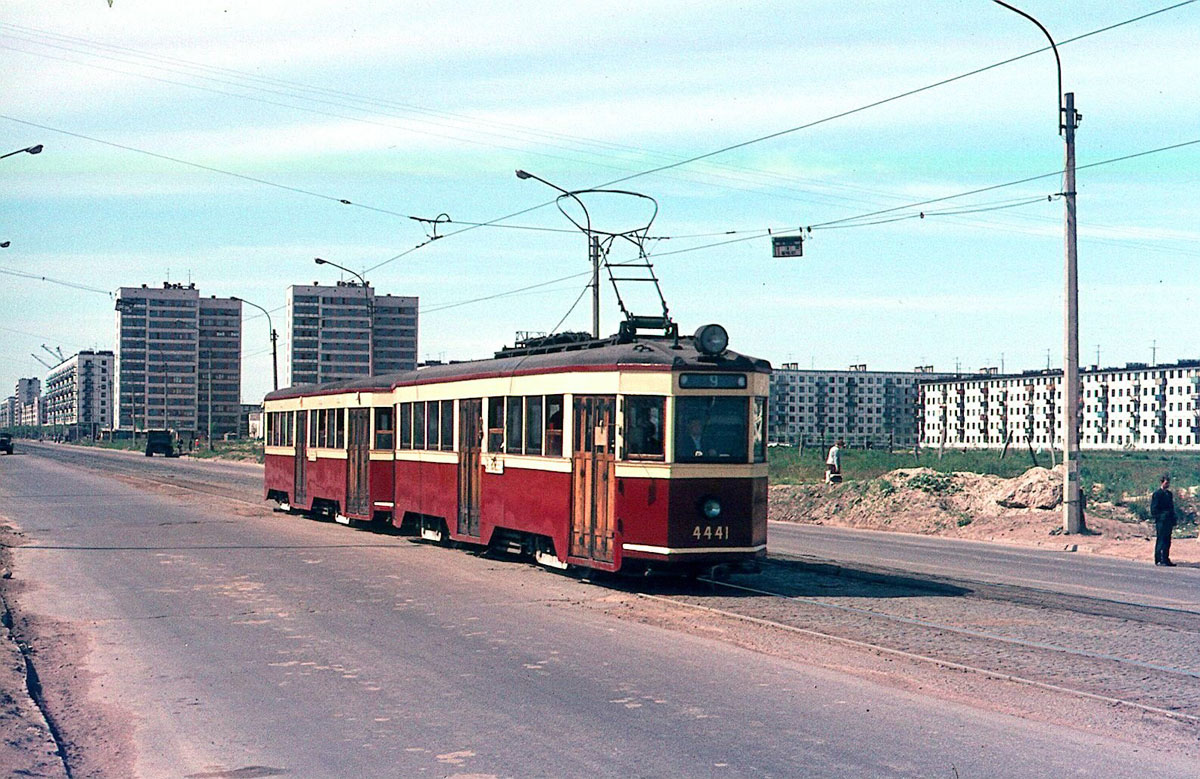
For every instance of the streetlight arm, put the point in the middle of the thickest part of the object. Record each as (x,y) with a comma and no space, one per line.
(27,150)
(274,339)
(358,276)
(1057,61)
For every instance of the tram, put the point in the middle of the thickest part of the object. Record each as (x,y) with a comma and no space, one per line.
(632,453)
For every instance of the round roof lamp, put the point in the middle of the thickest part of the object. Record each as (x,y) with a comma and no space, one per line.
(711,339)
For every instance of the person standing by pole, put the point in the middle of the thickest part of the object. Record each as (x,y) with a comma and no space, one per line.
(1162,509)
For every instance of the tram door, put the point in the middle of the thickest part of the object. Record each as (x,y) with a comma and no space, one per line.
(470,464)
(299,491)
(593,478)
(358,461)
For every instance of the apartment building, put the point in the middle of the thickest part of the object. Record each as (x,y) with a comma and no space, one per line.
(1135,407)
(178,356)
(28,410)
(8,412)
(219,382)
(347,330)
(79,393)
(864,408)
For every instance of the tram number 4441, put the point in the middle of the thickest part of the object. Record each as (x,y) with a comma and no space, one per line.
(710,532)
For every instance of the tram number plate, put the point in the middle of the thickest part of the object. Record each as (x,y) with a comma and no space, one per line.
(710,532)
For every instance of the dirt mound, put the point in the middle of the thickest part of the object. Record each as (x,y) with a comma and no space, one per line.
(1024,510)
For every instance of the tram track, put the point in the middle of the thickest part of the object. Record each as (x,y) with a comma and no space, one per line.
(1115,660)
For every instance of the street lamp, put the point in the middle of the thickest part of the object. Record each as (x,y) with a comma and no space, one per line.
(370,312)
(27,150)
(274,339)
(593,248)
(1068,121)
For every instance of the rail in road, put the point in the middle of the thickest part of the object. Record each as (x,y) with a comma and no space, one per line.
(1125,654)
(1133,654)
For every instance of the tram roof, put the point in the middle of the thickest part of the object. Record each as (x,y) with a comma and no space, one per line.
(642,354)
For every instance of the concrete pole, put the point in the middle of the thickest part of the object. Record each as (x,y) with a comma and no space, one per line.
(1072,516)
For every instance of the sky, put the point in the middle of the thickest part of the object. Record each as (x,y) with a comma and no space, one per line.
(214,142)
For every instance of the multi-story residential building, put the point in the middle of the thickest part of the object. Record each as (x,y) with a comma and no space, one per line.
(79,394)
(219,384)
(8,412)
(863,408)
(1135,407)
(175,352)
(29,402)
(339,332)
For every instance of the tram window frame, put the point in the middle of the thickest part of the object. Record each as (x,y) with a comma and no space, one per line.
(418,431)
(338,427)
(288,428)
(322,428)
(758,428)
(433,419)
(630,445)
(534,423)
(495,435)
(384,427)
(514,424)
(554,435)
(447,426)
(311,427)
(735,444)
(405,424)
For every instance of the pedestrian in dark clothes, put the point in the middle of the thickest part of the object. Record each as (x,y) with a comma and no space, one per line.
(1162,509)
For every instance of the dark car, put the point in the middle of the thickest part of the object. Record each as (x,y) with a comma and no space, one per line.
(160,442)
(6,443)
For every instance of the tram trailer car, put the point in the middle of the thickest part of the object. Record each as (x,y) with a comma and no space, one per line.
(618,454)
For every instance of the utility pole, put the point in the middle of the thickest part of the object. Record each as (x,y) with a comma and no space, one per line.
(1072,515)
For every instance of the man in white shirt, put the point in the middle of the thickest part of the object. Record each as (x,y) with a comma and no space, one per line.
(833,463)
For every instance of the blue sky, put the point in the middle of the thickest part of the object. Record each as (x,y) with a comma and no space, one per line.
(428,108)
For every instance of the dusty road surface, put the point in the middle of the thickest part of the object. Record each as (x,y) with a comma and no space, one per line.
(178,633)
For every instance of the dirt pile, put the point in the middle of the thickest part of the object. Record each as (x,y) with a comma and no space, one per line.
(1025,510)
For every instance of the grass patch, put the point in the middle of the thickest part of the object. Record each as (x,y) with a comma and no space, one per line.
(1119,477)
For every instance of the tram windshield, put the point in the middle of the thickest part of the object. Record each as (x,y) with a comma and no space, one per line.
(711,429)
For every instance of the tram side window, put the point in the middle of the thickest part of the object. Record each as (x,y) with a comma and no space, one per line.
(711,429)
(406,414)
(495,424)
(433,416)
(533,424)
(272,423)
(760,430)
(383,428)
(322,427)
(644,427)
(513,428)
(312,429)
(418,426)
(287,428)
(554,425)
(338,439)
(447,425)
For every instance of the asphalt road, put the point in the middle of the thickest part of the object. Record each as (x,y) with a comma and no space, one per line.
(1074,573)
(229,639)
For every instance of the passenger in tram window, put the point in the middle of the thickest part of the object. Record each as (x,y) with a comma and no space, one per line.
(643,428)
(554,425)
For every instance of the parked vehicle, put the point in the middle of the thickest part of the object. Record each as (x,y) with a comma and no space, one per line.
(6,443)
(160,442)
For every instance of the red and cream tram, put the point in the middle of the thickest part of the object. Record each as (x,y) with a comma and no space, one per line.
(621,454)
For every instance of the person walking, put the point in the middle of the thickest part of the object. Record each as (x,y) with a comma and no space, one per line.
(833,463)
(1162,509)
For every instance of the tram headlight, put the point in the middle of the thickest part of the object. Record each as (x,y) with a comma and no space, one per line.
(711,339)
(711,508)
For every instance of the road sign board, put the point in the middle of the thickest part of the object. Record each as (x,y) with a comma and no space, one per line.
(787,245)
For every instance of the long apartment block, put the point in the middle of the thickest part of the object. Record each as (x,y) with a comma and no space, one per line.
(864,408)
(78,393)
(1135,407)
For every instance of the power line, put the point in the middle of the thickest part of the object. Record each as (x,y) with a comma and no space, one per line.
(814,123)
(60,282)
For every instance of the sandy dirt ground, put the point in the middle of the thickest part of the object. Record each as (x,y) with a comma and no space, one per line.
(1026,510)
